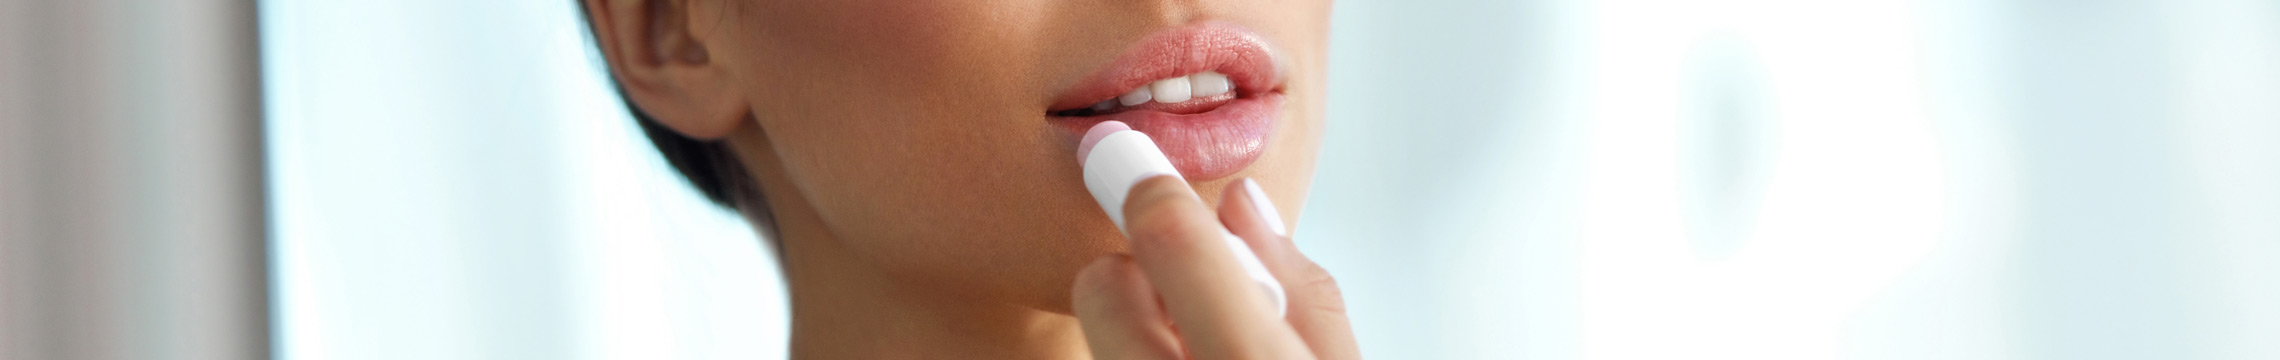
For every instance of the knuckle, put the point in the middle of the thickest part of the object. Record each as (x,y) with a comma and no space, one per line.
(1151,209)
(1155,192)
(1318,284)
(1153,222)
(1094,279)
(1100,285)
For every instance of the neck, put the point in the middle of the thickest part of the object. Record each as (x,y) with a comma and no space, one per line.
(842,307)
(846,306)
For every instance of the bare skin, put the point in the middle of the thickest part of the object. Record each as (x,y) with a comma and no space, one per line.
(925,207)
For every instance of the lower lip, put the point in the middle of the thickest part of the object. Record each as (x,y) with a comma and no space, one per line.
(1204,146)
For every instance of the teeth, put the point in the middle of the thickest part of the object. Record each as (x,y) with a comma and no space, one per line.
(1136,97)
(1173,90)
(1210,83)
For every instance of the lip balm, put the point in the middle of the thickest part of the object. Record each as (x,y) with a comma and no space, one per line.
(1115,157)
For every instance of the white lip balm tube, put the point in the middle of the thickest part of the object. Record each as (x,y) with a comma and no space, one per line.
(1115,157)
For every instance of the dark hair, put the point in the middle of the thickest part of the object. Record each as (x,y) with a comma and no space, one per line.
(709,165)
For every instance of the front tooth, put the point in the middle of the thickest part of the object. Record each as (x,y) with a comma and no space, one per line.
(1209,83)
(1171,91)
(1136,97)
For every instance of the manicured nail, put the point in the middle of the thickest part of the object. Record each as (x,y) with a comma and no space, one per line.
(1264,207)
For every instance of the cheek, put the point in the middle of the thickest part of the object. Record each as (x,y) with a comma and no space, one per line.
(851,90)
(945,75)
(916,131)
(902,108)
(891,45)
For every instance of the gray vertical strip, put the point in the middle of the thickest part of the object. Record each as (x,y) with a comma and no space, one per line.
(2102,272)
(131,196)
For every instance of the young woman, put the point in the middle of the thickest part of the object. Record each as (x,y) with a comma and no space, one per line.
(914,161)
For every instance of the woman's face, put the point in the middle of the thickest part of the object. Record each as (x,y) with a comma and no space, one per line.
(937,138)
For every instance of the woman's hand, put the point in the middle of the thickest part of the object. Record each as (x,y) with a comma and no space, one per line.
(1180,273)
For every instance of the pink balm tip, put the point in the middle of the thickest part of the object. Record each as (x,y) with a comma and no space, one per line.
(1099,131)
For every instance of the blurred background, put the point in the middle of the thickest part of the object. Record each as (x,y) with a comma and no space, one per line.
(1534,179)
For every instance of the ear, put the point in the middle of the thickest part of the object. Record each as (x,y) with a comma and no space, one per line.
(664,67)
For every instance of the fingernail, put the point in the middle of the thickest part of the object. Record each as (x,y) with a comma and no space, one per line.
(1264,208)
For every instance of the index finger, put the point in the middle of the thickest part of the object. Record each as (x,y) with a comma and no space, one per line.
(1176,241)
(1317,310)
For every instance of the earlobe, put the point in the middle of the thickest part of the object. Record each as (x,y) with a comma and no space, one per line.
(665,68)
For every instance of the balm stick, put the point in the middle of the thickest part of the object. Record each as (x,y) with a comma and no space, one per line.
(1115,157)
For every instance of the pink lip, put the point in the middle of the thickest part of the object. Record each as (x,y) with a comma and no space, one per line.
(1205,142)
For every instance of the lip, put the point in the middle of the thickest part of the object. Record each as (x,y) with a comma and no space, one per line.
(1205,140)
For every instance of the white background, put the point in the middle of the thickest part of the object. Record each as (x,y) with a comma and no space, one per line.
(1501,179)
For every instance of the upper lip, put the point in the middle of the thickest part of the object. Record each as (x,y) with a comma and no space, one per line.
(1208,46)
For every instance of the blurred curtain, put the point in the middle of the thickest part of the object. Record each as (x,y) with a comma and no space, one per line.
(1799,179)
(131,206)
